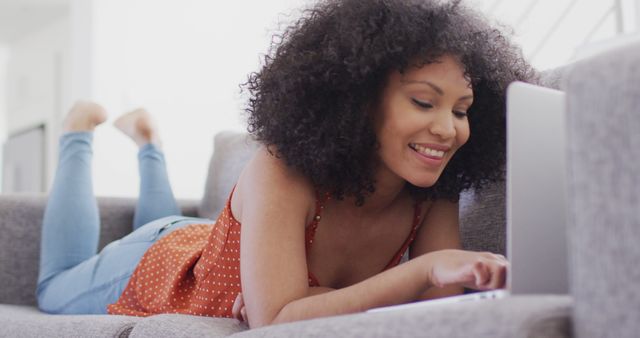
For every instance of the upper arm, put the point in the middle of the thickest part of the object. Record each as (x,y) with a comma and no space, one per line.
(439,230)
(273,210)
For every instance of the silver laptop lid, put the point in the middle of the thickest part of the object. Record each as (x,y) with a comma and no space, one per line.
(536,198)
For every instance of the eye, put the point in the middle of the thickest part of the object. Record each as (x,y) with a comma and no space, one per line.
(460,114)
(422,104)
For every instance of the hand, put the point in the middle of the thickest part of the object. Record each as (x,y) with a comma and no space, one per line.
(239,312)
(474,270)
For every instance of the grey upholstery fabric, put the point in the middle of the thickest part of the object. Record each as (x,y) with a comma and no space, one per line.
(20,222)
(26,321)
(20,218)
(514,317)
(603,122)
(177,326)
(231,151)
(482,219)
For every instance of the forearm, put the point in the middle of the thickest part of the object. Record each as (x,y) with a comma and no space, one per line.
(400,284)
(318,290)
(435,292)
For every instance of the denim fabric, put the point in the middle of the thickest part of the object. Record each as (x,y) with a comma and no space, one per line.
(156,198)
(73,279)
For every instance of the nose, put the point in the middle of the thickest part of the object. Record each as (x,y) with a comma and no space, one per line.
(443,125)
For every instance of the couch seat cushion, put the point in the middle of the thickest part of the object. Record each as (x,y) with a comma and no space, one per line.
(177,326)
(28,321)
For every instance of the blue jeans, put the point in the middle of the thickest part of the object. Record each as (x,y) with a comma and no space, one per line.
(73,279)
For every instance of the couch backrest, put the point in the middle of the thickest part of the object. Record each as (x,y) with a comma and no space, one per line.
(20,228)
(483,220)
(231,152)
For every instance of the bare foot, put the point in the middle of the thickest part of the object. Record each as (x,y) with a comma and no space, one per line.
(140,126)
(84,116)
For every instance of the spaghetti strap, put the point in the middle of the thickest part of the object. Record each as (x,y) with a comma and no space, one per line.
(311,229)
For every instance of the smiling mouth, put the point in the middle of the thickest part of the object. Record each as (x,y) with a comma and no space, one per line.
(426,151)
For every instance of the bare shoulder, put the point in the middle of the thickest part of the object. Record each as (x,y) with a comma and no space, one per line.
(272,202)
(267,179)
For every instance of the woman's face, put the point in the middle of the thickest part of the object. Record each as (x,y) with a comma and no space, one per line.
(422,120)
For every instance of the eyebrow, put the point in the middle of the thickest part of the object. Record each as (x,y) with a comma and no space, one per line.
(435,88)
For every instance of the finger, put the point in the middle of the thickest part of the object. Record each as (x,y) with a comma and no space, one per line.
(243,311)
(498,273)
(482,276)
(494,276)
(502,276)
(240,299)
(487,254)
(501,257)
(237,306)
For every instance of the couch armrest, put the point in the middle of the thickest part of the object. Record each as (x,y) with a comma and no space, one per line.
(603,124)
(20,226)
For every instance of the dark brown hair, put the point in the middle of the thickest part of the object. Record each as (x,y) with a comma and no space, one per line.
(311,99)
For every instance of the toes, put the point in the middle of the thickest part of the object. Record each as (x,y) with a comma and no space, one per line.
(139,125)
(84,116)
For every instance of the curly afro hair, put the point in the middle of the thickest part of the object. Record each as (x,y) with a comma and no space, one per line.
(313,98)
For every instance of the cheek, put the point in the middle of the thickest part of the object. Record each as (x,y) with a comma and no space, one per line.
(391,129)
(463,133)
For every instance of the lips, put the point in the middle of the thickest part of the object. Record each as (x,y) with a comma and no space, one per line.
(433,151)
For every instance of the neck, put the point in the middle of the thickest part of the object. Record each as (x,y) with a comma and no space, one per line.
(389,188)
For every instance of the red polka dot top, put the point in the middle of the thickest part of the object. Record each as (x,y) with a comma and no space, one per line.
(195,270)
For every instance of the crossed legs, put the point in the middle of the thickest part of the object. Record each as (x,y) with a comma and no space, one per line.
(72,277)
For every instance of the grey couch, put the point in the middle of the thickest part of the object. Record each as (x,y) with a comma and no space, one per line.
(603,130)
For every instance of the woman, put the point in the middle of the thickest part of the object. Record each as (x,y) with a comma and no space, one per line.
(374,116)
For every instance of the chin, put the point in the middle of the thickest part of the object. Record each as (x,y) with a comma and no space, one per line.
(424,182)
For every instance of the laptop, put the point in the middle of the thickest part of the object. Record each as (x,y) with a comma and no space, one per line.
(536,198)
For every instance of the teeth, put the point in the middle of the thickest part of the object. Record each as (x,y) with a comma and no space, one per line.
(428,151)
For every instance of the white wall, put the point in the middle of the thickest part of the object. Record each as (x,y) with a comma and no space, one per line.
(551,31)
(36,81)
(630,15)
(34,76)
(183,60)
